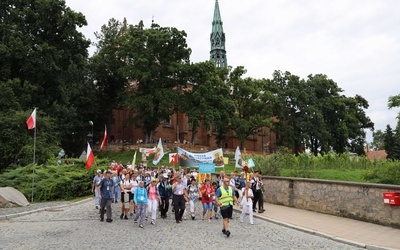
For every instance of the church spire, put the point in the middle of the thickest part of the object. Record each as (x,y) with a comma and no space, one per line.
(217,40)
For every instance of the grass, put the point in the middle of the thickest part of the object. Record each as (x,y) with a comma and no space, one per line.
(333,174)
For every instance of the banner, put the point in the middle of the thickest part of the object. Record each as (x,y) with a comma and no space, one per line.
(173,158)
(238,158)
(207,168)
(189,159)
(251,163)
(159,153)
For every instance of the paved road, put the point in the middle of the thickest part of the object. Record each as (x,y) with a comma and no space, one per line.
(78,227)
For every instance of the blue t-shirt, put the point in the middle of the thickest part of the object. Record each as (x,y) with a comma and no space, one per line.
(218,193)
(106,186)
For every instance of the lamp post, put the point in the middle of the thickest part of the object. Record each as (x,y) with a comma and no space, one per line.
(91,123)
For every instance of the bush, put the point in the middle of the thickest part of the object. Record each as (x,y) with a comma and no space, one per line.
(52,182)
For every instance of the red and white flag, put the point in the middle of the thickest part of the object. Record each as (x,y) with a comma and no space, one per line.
(31,122)
(89,157)
(103,143)
(173,158)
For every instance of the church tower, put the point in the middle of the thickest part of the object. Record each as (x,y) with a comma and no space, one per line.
(217,39)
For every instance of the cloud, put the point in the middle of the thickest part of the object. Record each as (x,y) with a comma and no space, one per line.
(356,43)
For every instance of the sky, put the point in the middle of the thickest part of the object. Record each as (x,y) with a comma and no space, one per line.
(355,43)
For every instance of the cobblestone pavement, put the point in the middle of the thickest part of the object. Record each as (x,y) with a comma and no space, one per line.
(79,227)
(32,206)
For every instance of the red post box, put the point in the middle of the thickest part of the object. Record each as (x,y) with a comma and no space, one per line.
(391,198)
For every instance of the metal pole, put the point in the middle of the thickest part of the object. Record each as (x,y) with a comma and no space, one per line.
(33,167)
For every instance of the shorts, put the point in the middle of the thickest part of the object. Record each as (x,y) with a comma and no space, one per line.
(130,197)
(226,212)
(207,206)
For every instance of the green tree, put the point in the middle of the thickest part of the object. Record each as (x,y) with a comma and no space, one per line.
(251,112)
(42,47)
(155,60)
(207,100)
(378,142)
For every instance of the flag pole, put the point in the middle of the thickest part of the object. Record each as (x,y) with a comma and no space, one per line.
(33,166)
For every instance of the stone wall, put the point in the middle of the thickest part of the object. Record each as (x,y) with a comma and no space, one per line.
(361,201)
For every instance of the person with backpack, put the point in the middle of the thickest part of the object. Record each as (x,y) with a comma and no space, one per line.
(126,196)
(207,192)
(141,203)
(164,189)
(153,197)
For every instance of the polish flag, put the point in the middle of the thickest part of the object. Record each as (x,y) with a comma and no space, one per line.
(89,157)
(31,122)
(103,143)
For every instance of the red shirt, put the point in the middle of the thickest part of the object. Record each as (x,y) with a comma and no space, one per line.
(208,190)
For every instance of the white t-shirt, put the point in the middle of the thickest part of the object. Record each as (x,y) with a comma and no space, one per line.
(135,184)
(248,201)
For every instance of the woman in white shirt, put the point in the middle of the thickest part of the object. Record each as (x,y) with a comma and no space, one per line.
(247,202)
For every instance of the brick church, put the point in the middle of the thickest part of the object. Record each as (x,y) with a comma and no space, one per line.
(177,128)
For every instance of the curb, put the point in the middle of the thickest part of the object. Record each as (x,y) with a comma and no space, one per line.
(317,233)
(11,216)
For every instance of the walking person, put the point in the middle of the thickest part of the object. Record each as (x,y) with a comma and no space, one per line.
(141,203)
(106,191)
(180,197)
(247,202)
(214,203)
(225,197)
(95,184)
(126,196)
(257,186)
(153,197)
(164,189)
(207,192)
(193,192)
(116,181)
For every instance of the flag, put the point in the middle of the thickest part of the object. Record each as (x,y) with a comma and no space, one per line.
(251,163)
(134,160)
(238,158)
(89,157)
(31,122)
(103,143)
(173,158)
(159,153)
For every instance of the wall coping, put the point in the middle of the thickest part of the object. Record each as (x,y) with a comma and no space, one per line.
(358,184)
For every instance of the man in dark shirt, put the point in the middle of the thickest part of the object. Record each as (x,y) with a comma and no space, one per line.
(106,191)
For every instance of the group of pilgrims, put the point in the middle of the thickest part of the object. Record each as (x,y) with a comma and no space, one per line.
(144,190)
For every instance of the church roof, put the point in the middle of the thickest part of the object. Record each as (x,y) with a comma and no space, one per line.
(217,21)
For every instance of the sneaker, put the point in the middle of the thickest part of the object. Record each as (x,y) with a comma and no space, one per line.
(141,225)
(224,231)
(260,211)
(109,220)
(152,222)
(192,217)
(126,217)
(178,221)
(251,223)
(122,216)
(216,217)
(135,221)
(241,221)
(228,233)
